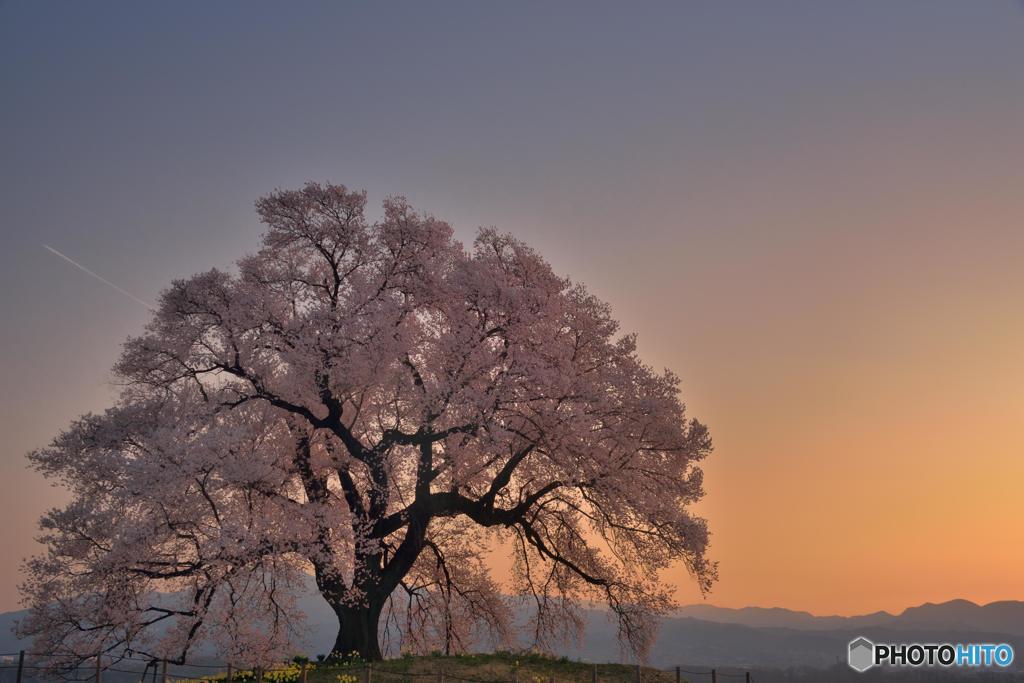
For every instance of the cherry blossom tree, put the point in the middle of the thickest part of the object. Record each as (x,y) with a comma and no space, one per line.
(377,405)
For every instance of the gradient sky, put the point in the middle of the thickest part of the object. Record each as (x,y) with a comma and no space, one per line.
(811,211)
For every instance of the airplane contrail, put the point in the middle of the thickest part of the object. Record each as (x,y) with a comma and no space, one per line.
(102,279)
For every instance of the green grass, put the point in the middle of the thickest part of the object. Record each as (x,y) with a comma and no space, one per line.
(498,667)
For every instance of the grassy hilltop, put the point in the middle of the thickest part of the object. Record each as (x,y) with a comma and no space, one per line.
(500,667)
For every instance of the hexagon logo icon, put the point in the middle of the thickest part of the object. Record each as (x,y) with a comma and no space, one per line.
(861,655)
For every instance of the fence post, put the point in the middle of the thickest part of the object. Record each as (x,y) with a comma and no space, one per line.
(369,672)
(163,672)
(593,674)
(21,664)
(259,674)
(747,677)
(714,676)
(639,675)
(678,677)
(230,674)
(304,665)
(98,664)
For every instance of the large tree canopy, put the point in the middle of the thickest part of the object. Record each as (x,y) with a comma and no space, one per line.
(376,404)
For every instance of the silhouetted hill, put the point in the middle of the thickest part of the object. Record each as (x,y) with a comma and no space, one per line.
(8,643)
(1006,616)
(778,617)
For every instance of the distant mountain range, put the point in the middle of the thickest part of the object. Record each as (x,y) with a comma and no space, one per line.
(1006,616)
(755,637)
(751,637)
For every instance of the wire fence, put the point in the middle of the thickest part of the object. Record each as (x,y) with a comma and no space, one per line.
(128,667)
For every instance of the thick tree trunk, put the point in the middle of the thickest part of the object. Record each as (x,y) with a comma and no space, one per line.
(357,632)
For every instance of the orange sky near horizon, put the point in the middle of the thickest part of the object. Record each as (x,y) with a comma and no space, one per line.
(813,214)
